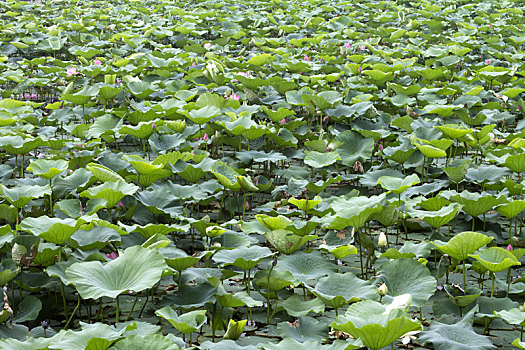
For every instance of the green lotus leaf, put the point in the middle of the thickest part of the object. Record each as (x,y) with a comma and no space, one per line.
(28,310)
(305,266)
(135,269)
(512,316)
(354,148)
(305,329)
(397,185)
(226,345)
(226,175)
(475,203)
(320,160)
(431,151)
(305,204)
(246,183)
(91,336)
(82,96)
(460,335)
(439,217)
(276,280)
(141,89)
(495,259)
(338,290)
(375,324)
(519,344)
(142,130)
(19,196)
(296,306)
(353,212)
(453,131)
(462,245)
(185,323)
(204,114)
(235,329)
(408,276)
(193,172)
(47,169)
(97,237)
(515,163)
(261,59)
(279,222)
(108,92)
(18,145)
(53,230)
(177,258)
(236,299)
(146,342)
(112,192)
(102,173)
(190,297)
(457,169)
(277,116)
(511,209)
(245,258)
(286,241)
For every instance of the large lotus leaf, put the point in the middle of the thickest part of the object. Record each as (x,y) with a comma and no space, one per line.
(47,168)
(320,159)
(143,167)
(204,114)
(462,245)
(18,145)
(511,209)
(457,169)
(112,192)
(453,131)
(185,323)
(236,299)
(515,163)
(191,296)
(193,172)
(296,306)
(147,342)
(457,336)
(177,258)
(279,222)
(431,151)
(274,280)
(495,259)
(376,324)
(100,334)
(286,241)
(354,148)
(53,230)
(408,276)
(21,195)
(96,237)
(512,316)
(135,270)
(439,217)
(226,175)
(397,185)
(245,258)
(337,290)
(303,329)
(475,203)
(486,174)
(305,204)
(142,130)
(305,266)
(354,211)
(103,174)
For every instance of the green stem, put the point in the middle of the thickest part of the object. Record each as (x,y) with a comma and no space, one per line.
(464,277)
(73,313)
(118,311)
(132,307)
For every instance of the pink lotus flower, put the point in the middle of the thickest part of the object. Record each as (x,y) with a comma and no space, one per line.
(283,121)
(205,137)
(487,61)
(154,126)
(306,58)
(193,64)
(490,26)
(244,74)
(207,46)
(233,97)
(363,47)
(509,247)
(118,81)
(347,45)
(112,256)
(359,69)
(71,71)
(120,205)
(98,62)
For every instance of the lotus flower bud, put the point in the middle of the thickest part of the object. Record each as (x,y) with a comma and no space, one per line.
(154,126)
(44,324)
(382,241)
(383,290)
(120,205)
(509,247)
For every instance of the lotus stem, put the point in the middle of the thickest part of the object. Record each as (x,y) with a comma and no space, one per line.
(493,279)
(132,307)
(118,311)
(464,278)
(73,313)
